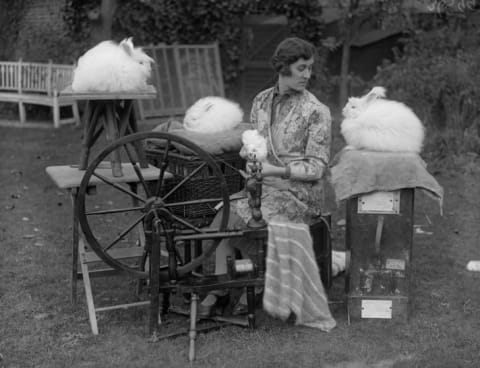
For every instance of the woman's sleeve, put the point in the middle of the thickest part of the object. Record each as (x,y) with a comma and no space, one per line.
(317,150)
(254,113)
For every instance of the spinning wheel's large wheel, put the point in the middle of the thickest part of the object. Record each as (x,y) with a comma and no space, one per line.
(111,219)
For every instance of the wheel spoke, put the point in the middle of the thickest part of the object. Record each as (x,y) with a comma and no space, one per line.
(114,210)
(187,224)
(163,167)
(193,202)
(184,180)
(124,232)
(119,187)
(137,169)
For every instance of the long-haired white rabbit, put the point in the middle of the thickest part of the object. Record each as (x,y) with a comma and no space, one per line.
(374,123)
(112,67)
(212,114)
(254,146)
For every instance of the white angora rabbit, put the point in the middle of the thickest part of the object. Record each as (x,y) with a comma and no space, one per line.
(112,67)
(374,123)
(212,114)
(254,146)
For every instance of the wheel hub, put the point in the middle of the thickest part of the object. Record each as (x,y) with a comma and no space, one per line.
(153,203)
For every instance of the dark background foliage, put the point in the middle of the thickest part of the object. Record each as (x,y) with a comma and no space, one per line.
(202,21)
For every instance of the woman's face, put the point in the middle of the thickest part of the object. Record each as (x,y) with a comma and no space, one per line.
(301,71)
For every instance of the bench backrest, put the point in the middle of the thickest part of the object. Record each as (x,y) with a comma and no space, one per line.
(46,78)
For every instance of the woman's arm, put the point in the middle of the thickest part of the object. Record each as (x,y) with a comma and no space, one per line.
(317,151)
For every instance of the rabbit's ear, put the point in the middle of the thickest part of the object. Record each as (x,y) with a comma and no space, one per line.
(127,46)
(129,41)
(375,93)
(379,91)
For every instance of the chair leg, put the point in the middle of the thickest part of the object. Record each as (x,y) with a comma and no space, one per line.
(75,245)
(88,290)
(193,327)
(22,113)
(251,306)
(56,113)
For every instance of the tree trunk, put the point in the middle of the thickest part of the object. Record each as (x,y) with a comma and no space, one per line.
(102,27)
(349,25)
(345,68)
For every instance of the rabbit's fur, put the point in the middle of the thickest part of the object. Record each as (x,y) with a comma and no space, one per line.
(254,146)
(112,67)
(212,114)
(374,123)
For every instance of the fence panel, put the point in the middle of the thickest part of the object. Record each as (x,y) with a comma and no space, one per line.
(182,74)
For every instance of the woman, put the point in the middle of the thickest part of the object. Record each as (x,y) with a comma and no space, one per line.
(297,127)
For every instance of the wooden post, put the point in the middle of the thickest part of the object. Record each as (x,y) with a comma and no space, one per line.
(218,70)
(19,75)
(193,327)
(176,57)
(50,78)
(21,106)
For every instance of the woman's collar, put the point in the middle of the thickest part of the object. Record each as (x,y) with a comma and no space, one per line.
(289,92)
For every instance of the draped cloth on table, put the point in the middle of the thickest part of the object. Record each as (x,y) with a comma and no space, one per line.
(355,172)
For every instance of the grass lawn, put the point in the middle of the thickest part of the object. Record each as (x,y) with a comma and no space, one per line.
(40,328)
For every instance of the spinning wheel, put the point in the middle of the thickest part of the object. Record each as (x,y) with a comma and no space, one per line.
(110,220)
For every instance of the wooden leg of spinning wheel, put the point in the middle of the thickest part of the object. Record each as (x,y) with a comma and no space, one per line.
(193,327)
(154,282)
(165,304)
(251,306)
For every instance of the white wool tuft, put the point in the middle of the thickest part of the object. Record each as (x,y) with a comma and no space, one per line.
(254,146)
(212,114)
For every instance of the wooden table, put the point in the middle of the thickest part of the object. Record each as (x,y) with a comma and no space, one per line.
(112,114)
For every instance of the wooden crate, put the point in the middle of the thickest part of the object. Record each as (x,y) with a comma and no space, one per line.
(379,241)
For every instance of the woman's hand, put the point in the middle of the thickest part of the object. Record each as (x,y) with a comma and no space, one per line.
(270,170)
(267,169)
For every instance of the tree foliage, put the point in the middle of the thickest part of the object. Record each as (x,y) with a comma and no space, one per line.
(195,22)
(10,23)
(438,75)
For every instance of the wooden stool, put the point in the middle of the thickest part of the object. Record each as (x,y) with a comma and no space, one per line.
(379,239)
(112,113)
(69,178)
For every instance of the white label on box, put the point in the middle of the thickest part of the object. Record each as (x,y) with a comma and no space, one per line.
(395,264)
(376,309)
(379,202)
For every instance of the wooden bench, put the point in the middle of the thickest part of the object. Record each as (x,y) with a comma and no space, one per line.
(38,84)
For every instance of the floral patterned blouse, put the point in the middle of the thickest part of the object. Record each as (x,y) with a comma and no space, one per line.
(298,130)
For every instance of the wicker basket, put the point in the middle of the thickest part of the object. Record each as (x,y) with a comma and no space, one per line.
(203,185)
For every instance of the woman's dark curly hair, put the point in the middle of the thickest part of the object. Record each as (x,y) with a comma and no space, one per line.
(289,51)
